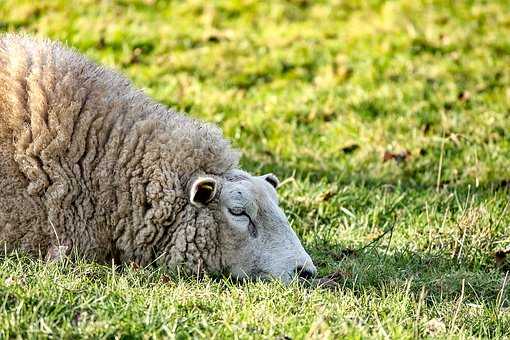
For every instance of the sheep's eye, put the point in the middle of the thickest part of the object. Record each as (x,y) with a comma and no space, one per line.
(240,212)
(236,211)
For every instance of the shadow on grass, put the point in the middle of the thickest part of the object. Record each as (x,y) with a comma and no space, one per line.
(442,277)
(440,272)
(480,279)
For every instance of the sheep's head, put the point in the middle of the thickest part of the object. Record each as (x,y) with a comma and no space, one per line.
(254,236)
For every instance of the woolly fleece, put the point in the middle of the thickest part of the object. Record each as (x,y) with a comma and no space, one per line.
(91,163)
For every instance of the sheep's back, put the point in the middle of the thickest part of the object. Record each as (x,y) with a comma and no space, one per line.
(82,137)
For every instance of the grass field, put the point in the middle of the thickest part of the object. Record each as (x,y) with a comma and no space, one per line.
(389,122)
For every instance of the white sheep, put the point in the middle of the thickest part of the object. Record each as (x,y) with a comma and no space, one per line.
(92,165)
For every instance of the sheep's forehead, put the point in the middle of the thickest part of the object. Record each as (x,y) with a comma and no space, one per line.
(241,186)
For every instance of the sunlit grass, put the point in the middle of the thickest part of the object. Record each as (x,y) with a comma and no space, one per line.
(383,118)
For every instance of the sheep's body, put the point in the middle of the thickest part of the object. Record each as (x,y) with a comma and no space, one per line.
(89,162)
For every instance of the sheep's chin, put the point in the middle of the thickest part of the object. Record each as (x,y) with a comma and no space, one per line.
(263,276)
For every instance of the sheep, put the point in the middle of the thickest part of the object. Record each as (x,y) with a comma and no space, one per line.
(89,164)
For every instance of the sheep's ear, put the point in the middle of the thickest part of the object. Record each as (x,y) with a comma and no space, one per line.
(202,191)
(272,179)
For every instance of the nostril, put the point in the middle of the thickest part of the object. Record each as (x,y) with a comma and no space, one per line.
(304,273)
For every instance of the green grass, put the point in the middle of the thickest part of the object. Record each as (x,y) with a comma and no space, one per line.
(316,92)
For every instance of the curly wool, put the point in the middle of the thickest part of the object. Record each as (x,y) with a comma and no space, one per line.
(87,160)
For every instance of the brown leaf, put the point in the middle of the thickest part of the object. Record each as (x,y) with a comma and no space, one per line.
(349,148)
(331,280)
(503,184)
(501,257)
(213,38)
(165,279)
(397,157)
(326,195)
(464,96)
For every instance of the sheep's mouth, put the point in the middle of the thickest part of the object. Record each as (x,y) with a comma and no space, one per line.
(286,277)
(265,276)
(254,275)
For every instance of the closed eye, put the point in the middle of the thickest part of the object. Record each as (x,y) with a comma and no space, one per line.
(237,212)
(240,212)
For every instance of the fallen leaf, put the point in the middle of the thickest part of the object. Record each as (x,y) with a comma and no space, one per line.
(213,38)
(397,157)
(349,148)
(326,195)
(165,279)
(501,257)
(464,96)
(331,280)
(504,184)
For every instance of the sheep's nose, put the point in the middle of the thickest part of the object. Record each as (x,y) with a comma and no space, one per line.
(305,272)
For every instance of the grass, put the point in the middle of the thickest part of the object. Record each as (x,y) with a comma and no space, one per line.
(388,121)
